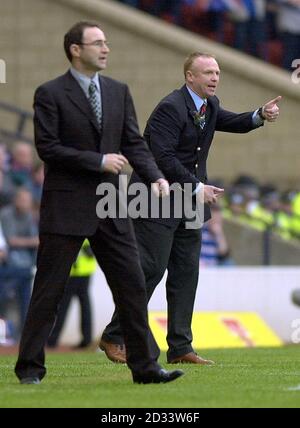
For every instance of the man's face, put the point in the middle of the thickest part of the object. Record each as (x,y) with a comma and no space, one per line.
(204,76)
(23,155)
(23,201)
(93,51)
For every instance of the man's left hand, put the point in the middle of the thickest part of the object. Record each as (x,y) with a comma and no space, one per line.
(270,111)
(161,187)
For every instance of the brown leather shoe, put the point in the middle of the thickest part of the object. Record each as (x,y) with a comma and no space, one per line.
(191,358)
(114,352)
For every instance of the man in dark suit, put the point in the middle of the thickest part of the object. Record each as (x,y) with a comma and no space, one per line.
(82,123)
(179,133)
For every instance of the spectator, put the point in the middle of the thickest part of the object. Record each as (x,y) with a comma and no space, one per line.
(253,21)
(4,158)
(284,216)
(289,26)
(3,247)
(248,188)
(215,248)
(170,10)
(217,10)
(249,25)
(7,294)
(21,235)
(132,3)
(3,277)
(296,296)
(36,185)
(21,164)
(264,207)
(7,188)
(296,215)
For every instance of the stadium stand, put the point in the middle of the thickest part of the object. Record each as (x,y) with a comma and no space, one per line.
(267,29)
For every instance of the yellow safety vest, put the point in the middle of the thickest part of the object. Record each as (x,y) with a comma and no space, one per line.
(85,264)
(296,204)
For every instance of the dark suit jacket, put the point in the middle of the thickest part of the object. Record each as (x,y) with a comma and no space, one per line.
(180,148)
(70,143)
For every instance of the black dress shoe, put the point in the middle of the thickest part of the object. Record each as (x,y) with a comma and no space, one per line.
(159,376)
(30,381)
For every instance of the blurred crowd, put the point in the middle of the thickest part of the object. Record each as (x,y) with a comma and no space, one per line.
(21,180)
(267,29)
(263,207)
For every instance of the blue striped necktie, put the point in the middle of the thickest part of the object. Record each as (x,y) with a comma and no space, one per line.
(94,101)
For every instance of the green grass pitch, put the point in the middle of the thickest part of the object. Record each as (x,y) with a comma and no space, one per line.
(259,377)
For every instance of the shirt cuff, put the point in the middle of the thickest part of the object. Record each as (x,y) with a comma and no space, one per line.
(102,163)
(198,188)
(256,119)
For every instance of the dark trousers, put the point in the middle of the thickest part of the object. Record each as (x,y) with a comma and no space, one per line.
(77,286)
(178,250)
(118,257)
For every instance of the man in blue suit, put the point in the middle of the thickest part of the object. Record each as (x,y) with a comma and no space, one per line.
(179,133)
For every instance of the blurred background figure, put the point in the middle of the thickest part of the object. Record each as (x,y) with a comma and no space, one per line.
(132,3)
(21,164)
(7,187)
(77,286)
(21,235)
(296,297)
(284,217)
(248,17)
(295,205)
(215,249)
(289,27)
(3,246)
(35,184)
(266,29)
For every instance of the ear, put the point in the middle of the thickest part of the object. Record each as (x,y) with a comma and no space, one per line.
(75,50)
(189,76)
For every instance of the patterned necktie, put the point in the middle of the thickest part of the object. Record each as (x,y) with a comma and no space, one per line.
(94,101)
(202,114)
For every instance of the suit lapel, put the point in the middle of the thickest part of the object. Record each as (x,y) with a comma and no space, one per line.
(191,107)
(203,134)
(106,97)
(79,99)
(188,100)
(211,107)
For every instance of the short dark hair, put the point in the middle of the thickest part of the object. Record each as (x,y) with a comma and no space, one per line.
(74,35)
(189,61)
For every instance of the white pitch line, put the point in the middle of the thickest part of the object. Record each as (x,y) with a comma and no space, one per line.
(294,388)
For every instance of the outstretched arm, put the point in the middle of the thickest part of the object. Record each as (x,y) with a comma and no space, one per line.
(244,122)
